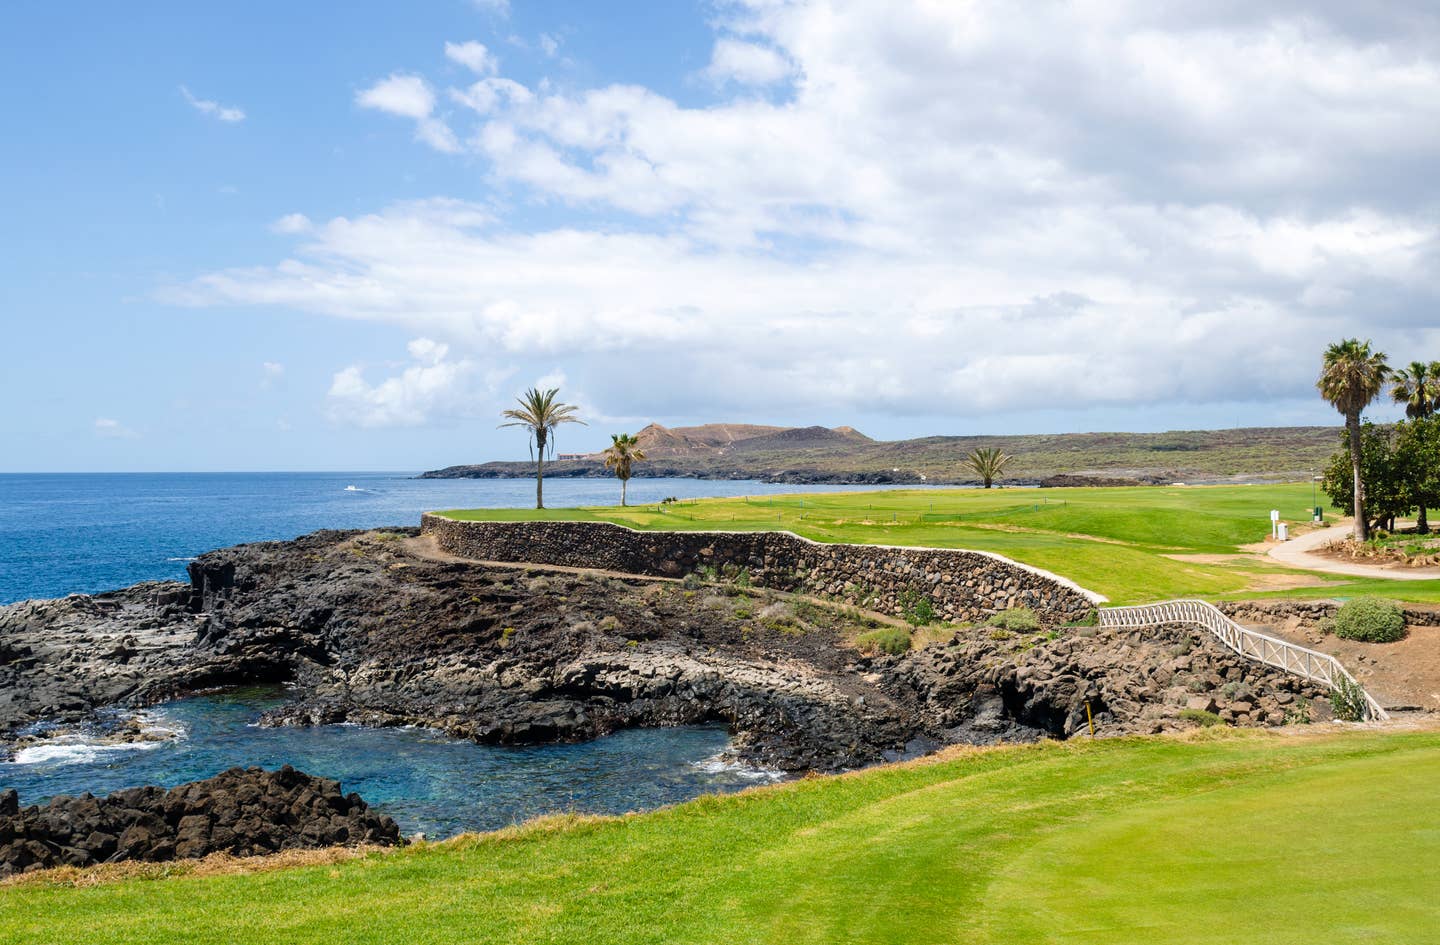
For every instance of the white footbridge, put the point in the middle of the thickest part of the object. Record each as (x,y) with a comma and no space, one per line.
(1308,664)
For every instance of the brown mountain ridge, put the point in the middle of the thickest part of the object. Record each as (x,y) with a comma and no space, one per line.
(817,454)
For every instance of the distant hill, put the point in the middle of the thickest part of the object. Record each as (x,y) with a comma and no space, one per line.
(845,455)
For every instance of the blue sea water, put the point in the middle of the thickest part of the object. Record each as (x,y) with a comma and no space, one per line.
(81,533)
(429,783)
(62,534)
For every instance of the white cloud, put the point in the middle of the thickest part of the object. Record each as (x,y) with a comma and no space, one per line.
(291,223)
(473,56)
(430,389)
(957,208)
(109,429)
(497,7)
(746,63)
(410,96)
(213,109)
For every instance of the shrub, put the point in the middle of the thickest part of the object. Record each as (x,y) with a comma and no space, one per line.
(1091,619)
(692,581)
(892,640)
(1018,619)
(1369,619)
(1348,701)
(1200,717)
(916,608)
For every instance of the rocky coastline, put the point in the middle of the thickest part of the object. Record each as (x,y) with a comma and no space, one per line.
(241,812)
(382,628)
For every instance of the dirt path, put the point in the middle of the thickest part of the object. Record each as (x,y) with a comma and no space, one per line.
(1301,552)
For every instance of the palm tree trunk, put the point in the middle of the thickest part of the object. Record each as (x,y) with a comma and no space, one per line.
(624,483)
(540,470)
(1362,525)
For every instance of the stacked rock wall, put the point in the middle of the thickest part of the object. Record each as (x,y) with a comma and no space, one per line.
(961,585)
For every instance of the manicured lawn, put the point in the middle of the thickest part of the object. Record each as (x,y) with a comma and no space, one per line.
(1130,544)
(1223,838)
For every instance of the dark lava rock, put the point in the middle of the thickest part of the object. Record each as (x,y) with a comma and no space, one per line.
(243,811)
(378,628)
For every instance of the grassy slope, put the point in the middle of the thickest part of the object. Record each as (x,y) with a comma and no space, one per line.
(1114,541)
(1254,838)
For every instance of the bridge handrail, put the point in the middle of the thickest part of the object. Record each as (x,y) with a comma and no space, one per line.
(1251,644)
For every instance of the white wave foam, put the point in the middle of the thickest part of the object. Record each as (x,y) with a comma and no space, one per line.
(77,749)
(71,753)
(719,764)
(191,558)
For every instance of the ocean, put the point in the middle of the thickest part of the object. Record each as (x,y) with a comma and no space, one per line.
(86,532)
(82,533)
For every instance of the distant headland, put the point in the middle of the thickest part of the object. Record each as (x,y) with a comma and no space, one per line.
(844,455)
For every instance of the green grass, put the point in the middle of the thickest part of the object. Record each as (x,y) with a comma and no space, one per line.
(1217,839)
(1114,541)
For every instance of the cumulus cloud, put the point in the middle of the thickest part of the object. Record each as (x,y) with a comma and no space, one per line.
(956,208)
(213,109)
(410,96)
(110,429)
(431,388)
(473,56)
(745,63)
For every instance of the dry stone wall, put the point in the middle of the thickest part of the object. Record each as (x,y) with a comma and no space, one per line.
(961,585)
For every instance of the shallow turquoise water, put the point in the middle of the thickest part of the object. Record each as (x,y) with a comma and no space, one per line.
(429,783)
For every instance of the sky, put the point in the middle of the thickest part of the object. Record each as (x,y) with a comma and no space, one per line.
(277,235)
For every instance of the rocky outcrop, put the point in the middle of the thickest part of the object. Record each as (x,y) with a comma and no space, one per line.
(380,628)
(961,585)
(244,812)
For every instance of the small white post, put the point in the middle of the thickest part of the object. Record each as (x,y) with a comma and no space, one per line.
(1274,523)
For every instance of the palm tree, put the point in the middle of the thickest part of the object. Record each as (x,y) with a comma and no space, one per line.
(623,451)
(540,414)
(1418,388)
(1351,377)
(988,463)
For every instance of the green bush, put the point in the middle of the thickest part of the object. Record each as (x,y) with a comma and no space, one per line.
(892,640)
(1348,701)
(1201,717)
(1370,620)
(916,608)
(1018,619)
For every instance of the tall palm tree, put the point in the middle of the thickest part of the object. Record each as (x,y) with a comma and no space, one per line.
(624,450)
(988,463)
(1418,388)
(540,414)
(1351,377)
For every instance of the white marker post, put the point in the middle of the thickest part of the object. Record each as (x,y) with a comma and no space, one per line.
(1274,523)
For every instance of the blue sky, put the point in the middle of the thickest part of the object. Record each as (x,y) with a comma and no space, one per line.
(325,236)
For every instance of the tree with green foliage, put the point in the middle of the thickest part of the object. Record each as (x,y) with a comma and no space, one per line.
(1387,487)
(1351,377)
(1418,388)
(621,455)
(539,413)
(988,463)
(1418,446)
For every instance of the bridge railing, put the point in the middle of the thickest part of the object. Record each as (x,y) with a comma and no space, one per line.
(1306,663)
